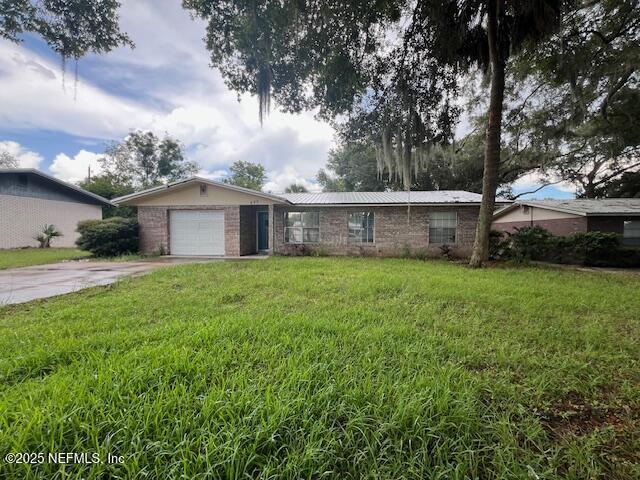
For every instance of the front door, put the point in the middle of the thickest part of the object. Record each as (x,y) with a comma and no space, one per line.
(263,231)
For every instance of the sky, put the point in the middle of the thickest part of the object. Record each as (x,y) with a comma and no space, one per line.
(164,85)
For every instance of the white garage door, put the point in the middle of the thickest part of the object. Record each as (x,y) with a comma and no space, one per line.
(197,232)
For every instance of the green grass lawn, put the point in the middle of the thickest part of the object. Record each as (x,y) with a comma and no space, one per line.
(24,257)
(329,368)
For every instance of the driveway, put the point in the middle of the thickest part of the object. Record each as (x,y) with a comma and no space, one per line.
(18,285)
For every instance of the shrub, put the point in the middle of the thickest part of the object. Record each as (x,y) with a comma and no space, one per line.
(110,237)
(529,243)
(589,248)
(497,244)
(48,233)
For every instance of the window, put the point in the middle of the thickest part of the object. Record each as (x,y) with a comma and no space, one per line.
(442,227)
(301,227)
(631,233)
(360,227)
(203,189)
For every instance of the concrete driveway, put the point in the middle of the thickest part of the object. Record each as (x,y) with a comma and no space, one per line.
(18,285)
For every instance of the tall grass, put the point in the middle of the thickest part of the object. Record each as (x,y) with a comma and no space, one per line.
(328,368)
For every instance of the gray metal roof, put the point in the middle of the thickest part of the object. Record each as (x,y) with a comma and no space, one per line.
(70,186)
(593,207)
(382,198)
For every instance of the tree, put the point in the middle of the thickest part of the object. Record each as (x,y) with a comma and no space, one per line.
(396,65)
(107,186)
(352,167)
(247,175)
(580,102)
(7,160)
(72,28)
(296,188)
(143,160)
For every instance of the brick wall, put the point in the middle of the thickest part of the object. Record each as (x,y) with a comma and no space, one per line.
(608,224)
(22,218)
(558,226)
(154,228)
(393,232)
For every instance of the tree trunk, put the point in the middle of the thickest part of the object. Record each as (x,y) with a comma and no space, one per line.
(492,143)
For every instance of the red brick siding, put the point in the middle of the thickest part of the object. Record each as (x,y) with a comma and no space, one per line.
(393,234)
(608,224)
(559,226)
(154,227)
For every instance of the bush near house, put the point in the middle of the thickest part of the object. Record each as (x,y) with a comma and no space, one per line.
(598,249)
(109,237)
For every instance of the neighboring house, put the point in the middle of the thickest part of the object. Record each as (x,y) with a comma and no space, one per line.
(29,199)
(201,217)
(562,217)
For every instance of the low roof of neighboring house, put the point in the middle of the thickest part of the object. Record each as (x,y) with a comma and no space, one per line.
(384,198)
(58,182)
(438,197)
(582,207)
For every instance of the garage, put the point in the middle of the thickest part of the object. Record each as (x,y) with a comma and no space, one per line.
(196,232)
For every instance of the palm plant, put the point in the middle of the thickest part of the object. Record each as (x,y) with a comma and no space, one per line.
(48,233)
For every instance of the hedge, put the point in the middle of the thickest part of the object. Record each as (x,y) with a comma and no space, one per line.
(109,237)
(601,249)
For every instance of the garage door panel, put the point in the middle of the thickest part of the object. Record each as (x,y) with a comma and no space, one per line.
(197,232)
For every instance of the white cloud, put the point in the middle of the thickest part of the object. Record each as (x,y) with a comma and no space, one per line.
(75,169)
(278,181)
(165,85)
(26,158)
(32,98)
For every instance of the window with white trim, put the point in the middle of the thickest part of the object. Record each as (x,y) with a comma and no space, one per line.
(631,233)
(302,227)
(442,227)
(360,227)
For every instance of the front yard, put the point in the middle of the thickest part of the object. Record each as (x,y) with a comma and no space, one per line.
(325,368)
(24,257)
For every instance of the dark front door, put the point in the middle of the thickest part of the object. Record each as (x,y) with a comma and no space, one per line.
(263,230)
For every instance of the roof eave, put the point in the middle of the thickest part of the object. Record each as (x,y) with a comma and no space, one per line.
(70,186)
(168,186)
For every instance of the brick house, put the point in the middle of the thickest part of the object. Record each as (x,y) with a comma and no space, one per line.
(563,217)
(201,217)
(29,199)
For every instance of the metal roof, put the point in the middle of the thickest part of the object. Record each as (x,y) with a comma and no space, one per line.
(383,198)
(585,207)
(33,171)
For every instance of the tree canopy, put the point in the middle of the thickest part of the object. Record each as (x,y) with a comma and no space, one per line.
(296,188)
(107,186)
(247,175)
(7,160)
(392,67)
(143,160)
(575,102)
(72,28)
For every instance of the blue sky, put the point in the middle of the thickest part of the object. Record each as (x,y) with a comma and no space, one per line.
(164,85)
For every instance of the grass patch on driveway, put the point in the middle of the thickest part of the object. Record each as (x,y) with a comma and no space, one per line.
(25,257)
(329,368)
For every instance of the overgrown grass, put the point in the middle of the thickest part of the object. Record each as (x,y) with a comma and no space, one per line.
(329,368)
(24,257)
